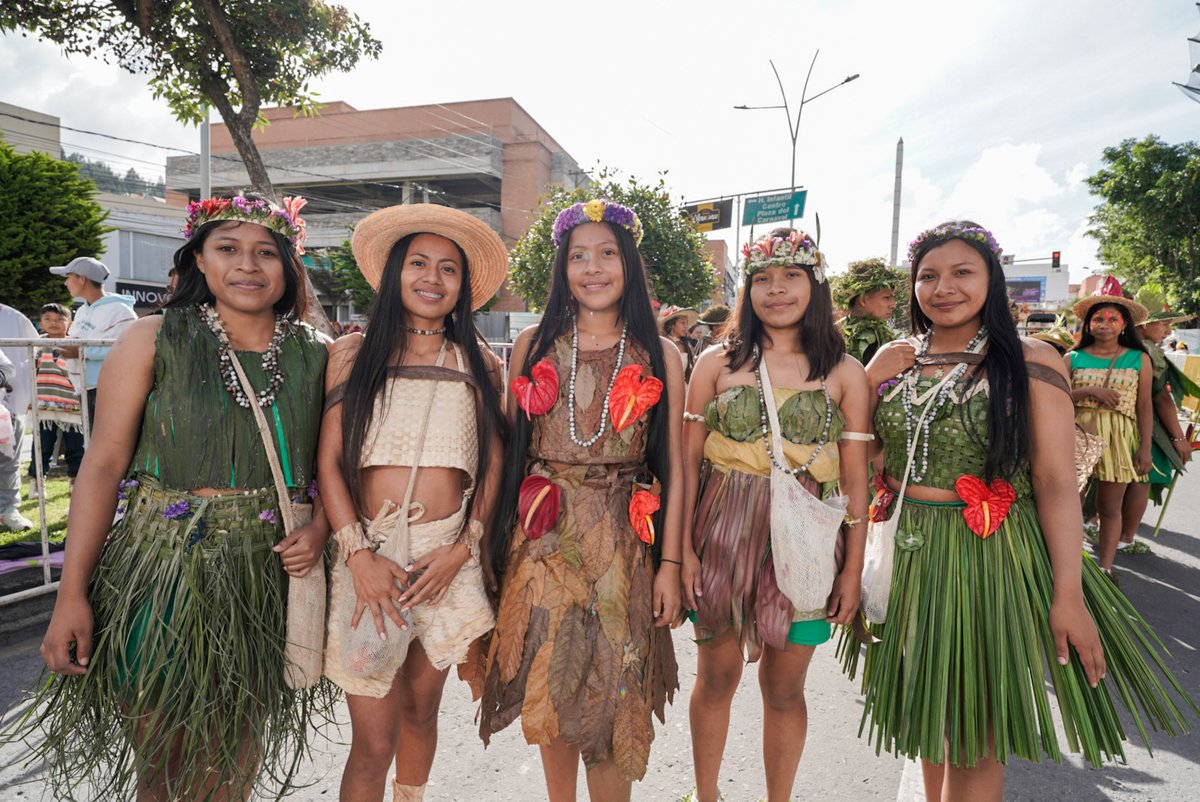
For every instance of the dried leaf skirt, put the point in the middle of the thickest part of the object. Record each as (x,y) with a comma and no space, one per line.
(967,646)
(575,652)
(188,650)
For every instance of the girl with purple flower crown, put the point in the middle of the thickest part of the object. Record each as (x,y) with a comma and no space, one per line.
(587,536)
(732,578)
(168,632)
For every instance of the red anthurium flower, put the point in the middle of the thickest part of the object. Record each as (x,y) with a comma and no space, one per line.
(631,395)
(642,506)
(987,505)
(537,505)
(537,394)
(883,498)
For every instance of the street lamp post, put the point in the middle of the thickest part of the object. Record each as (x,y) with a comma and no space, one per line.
(794,128)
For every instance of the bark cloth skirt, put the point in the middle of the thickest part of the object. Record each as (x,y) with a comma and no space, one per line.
(189,605)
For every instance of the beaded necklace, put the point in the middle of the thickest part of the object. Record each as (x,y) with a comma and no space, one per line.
(571,386)
(270,358)
(914,426)
(429,332)
(766,431)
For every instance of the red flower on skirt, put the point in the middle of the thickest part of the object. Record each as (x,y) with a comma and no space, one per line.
(884,496)
(642,506)
(987,505)
(537,505)
(537,394)
(631,395)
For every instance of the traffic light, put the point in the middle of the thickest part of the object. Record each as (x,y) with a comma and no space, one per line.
(1056,259)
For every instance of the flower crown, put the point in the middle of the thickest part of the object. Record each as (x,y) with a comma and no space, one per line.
(954,231)
(283,220)
(596,211)
(796,248)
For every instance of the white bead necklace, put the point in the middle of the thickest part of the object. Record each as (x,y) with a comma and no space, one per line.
(914,427)
(766,430)
(270,358)
(571,386)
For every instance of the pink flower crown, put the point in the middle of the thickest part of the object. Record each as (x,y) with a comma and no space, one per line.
(796,248)
(283,220)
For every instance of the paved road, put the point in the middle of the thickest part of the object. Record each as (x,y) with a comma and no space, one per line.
(837,765)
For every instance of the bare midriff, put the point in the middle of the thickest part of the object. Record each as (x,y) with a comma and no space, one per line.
(438,490)
(922,493)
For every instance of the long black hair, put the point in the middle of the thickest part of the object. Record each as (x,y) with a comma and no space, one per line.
(561,308)
(1007,438)
(386,335)
(1128,337)
(192,286)
(823,345)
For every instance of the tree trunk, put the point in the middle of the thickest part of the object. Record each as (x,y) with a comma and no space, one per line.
(240,127)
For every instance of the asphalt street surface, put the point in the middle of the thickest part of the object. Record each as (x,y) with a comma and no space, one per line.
(837,764)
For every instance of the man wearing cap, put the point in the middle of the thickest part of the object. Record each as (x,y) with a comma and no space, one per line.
(16,375)
(103,316)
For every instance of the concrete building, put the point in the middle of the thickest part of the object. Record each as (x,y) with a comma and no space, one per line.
(139,251)
(1090,285)
(487,157)
(26,130)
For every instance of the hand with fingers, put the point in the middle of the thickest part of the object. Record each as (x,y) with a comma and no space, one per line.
(844,598)
(302,549)
(431,575)
(689,579)
(666,606)
(378,586)
(70,626)
(1072,626)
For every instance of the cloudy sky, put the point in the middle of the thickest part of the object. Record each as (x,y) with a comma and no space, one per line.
(1004,107)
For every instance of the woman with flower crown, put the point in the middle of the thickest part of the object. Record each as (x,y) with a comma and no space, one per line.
(590,518)
(168,631)
(989,590)
(784,324)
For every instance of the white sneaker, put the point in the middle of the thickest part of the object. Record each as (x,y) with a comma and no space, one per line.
(15,520)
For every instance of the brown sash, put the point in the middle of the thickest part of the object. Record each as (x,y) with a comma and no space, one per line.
(423,372)
(1036,370)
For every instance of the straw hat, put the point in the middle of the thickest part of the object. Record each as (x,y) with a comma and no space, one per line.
(670,313)
(1167,316)
(1110,293)
(487,258)
(715,315)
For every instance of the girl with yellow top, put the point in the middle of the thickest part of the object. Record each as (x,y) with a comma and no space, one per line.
(1111,379)
(785,319)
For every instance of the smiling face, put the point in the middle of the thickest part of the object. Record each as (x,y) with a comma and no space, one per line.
(1106,323)
(595,270)
(779,295)
(951,285)
(242,266)
(431,279)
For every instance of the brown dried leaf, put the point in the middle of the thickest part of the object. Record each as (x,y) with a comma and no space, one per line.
(512,622)
(568,549)
(595,538)
(632,734)
(600,690)
(539,721)
(612,603)
(664,673)
(471,670)
(572,654)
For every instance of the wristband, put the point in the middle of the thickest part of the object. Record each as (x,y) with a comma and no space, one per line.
(853,521)
(351,539)
(692,417)
(668,560)
(1178,439)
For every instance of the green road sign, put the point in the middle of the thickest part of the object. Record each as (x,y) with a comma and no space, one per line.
(773,208)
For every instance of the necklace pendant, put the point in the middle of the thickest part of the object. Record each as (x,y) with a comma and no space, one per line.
(939,373)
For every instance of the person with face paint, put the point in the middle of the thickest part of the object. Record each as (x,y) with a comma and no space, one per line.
(1111,386)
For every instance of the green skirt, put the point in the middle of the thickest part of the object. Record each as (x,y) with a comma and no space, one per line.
(965,652)
(188,649)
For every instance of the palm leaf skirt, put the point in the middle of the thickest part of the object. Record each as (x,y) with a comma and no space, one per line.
(188,650)
(965,652)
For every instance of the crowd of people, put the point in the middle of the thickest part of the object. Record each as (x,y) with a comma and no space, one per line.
(748,471)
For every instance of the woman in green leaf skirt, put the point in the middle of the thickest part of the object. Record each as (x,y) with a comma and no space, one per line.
(989,589)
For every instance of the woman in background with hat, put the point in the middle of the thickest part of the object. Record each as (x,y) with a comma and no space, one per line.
(1111,380)
(867,290)
(409,460)
(169,628)
(676,323)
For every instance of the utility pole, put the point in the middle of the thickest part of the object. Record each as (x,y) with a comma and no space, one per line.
(896,200)
(205,174)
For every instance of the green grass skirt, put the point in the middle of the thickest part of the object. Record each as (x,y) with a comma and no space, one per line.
(188,650)
(967,647)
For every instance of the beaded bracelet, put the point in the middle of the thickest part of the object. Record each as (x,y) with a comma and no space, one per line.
(693,417)
(472,533)
(853,521)
(351,539)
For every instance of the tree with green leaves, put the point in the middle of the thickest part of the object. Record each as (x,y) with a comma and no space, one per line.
(47,217)
(1148,223)
(235,55)
(677,263)
(337,275)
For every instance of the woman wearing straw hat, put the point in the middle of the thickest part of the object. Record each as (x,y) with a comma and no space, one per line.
(169,629)
(1111,380)
(675,324)
(409,460)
